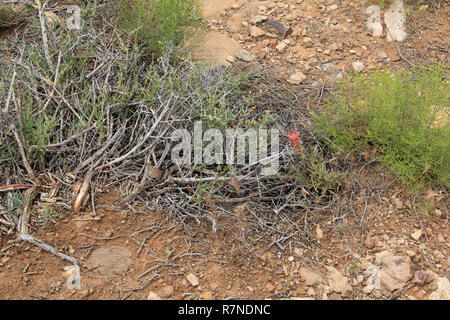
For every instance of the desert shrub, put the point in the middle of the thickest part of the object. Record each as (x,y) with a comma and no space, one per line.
(402,115)
(158,23)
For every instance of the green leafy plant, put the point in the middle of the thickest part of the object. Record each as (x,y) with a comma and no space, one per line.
(158,23)
(402,115)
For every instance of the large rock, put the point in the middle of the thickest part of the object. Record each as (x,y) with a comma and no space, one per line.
(395,18)
(395,270)
(215,48)
(113,260)
(337,282)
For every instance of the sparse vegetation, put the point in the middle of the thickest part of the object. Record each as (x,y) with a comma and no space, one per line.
(158,23)
(8,16)
(402,115)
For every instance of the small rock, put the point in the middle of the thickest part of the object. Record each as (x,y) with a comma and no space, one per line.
(410,253)
(311,292)
(114,260)
(256,32)
(258,19)
(368,289)
(428,231)
(153,296)
(297,78)
(306,40)
(369,243)
(243,55)
(358,66)
(281,46)
(337,282)
(310,277)
(397,203)
(319,232)
(278,28)
(166,292)
(417,234)
(231,59)
(193,280)
(332,7)
(330,68)
(207,295)
(422,277)
(382,55)
(298,252)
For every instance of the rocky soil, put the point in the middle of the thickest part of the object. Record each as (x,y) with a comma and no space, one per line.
(312,41)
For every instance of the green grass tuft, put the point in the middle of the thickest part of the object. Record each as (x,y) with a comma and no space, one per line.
(158,23)
(403,115)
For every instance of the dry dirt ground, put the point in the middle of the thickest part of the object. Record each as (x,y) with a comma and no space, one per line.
(153,255)
(138,254)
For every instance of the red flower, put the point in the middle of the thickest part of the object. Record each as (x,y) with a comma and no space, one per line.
(295,138)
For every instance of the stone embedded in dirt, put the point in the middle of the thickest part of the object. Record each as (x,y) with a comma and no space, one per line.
(281,47)
(231,59)
(410,253)
(374,20)
(311,292)
(298,252)
(236,6)
(417,234)
(360,278)
(215,48)
(369,243)
(333,7)
(113,260)
(256,32)
(310,277)
(373,279)
(193,280)
(337,282)
(258,19)
(441,285)
(297,78)
(395,270)
(166,292)
(277,28)
(358,66)
(422,277)
(428,231)
(394,18)
(330,68)
(382,55)
(153,296)
(397,203)
(319,232)
(243,55)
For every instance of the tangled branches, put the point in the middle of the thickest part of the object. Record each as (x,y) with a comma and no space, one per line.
(84,112)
